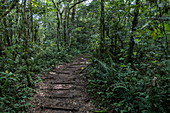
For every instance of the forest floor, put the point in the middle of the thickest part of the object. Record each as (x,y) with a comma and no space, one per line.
(63,90)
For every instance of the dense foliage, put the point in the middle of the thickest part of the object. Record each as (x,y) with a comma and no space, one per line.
(130,69)
(29,45)
(127,39)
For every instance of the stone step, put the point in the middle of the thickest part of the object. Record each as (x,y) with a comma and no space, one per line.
(71,83)
(63,94)
(57,86)
(63,72)
(59,76)
(55,72)
(64,105)
(71,88)
(55,111)
(73,66)
(58,97)
(61,87)
(59,108)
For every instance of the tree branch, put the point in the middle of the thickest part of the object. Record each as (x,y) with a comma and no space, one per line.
(77,3)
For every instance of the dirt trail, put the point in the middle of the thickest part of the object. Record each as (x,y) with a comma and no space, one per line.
(63,90)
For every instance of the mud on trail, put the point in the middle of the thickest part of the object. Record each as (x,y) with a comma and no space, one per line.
(63,90)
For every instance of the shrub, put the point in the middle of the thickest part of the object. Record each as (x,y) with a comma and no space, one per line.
(120,88)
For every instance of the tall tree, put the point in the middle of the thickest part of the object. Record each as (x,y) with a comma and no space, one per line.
(73,12)
(1,46)
(26,41)
(133,29)
(102,27)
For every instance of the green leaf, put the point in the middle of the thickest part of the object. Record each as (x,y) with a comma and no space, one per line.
(137,40)
(121,58)
(122,65)
(135,53)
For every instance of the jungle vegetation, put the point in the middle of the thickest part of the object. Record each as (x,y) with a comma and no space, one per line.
(128,40)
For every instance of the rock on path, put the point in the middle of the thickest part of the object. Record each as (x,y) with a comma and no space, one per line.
(63,90)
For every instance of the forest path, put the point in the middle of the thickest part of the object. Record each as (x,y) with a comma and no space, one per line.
(63,90)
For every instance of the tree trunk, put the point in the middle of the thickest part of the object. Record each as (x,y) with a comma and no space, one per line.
(65,25)
(102,25)
(69,26)
(7,37)
(134,25)
(59,23)
(31,33)
(1,47)
(73,12)
(26,38)
(11,30)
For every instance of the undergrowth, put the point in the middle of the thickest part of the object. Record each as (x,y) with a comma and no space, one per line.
(121,88)
(14,92)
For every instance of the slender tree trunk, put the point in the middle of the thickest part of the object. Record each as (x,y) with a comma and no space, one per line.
(59,22)
(31,33)
(166,42)
(58,31)
(7,37)
(36,33)
(134,25)
(11,30)
(26,38)
(1,47)
(69,25)
(73,12)
(65,25)
(18,19)
(102,26)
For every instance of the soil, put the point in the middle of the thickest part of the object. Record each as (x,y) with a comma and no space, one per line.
(63,90)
